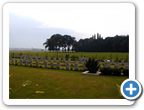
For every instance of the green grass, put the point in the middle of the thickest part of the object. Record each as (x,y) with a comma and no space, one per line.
(61,84)
(98,55)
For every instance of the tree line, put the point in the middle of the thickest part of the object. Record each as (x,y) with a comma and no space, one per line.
(118,43)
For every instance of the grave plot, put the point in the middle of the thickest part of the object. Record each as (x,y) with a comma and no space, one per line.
(63,63)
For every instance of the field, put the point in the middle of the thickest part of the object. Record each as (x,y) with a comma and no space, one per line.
(61,84)
(97,55)
(27,82)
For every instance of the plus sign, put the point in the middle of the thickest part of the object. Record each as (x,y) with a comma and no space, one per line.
(131,89)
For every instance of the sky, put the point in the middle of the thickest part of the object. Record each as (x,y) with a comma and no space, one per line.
(31,26)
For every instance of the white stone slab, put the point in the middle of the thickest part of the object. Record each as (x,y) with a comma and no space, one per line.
(87,73)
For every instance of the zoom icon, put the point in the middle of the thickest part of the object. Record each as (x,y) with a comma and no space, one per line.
(132,89)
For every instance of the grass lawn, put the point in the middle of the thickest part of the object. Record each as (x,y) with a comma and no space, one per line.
(61,84)
(97,55)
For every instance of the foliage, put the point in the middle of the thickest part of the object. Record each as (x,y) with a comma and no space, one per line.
(57,41)
(116,72)
(109,44)
(67,56)
(106,71)
(74,57)
(92,65)
(20,54)
(126,72)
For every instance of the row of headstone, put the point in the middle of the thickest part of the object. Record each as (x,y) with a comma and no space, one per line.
(107,64)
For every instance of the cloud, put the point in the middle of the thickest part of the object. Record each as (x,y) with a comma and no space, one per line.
(26,32)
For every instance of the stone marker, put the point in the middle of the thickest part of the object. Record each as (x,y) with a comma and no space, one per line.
(69,59)
(49,59)
(105,65)
(58,65)
(21,62)
(108,64)
(112,61)
(84,67)
(59,59)
(67,66)
(31,63)
(37,63)
(80,60)
(76,61)
(126,65)
(46,64)
(63,59)
(76,66)
(54,59)
(105,60)
(117,65)
(51,64)
(16,62)
(122,62)
(12,61)
(26,61)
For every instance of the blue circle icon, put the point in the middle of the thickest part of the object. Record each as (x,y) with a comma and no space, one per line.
(130,89)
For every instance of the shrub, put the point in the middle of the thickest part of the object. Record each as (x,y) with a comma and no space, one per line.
(67,56)
(116,72)
(92,65)
(106,71)
(126,72)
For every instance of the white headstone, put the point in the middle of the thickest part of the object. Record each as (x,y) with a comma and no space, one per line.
(117,65)
(12,61)
(122,62)
(46,64)
(76,61)
(67,65)
(76,66)
(31,63)
(16,62)
(54,59)
(26,61)
(21,62)
(51,64)
(105,65)
(80,59)
(105,60)
(59,59)
(69,59)
(108,64)
(126,65)
(49,59)
(41,58)
(37,63)
(112,61)
(63,59)
(84,67)
(58,65)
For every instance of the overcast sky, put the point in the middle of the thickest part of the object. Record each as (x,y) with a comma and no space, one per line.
(30,27)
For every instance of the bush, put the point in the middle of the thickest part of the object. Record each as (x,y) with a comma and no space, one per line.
(126,72)
(67,56)
(116,72)
(92,65)
(106,71)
